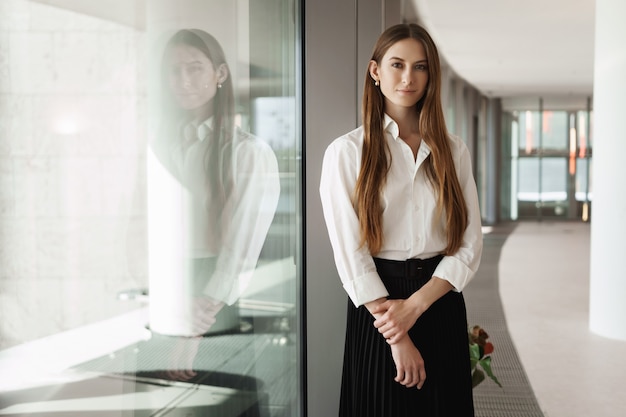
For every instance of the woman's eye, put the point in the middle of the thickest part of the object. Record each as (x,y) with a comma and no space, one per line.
(193,69)
(420,67)
(396,65)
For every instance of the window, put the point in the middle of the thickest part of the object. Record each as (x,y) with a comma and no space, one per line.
(550,159)
(150,207)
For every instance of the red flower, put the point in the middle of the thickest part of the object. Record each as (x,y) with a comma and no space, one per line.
(480,359)
(482,334)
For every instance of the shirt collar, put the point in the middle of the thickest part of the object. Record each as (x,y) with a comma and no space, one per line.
(391,126)
(200,132)
(204,129)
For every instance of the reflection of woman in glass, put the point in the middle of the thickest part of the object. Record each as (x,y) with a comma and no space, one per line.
(229,178)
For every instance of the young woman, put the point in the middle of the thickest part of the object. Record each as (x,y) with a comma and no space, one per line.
(401,208)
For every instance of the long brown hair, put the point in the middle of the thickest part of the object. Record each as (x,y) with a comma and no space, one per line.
(439,166)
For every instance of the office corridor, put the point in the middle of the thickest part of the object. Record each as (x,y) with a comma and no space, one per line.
(531,295)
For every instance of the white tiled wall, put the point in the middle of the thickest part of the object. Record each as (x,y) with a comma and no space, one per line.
(72,157)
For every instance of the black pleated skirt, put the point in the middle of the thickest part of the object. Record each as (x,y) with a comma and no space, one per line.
(368,388)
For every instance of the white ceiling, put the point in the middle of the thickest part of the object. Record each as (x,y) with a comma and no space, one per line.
(505,48)
(511,48)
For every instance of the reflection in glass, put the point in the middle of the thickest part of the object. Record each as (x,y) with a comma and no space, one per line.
(222,272)
(218,268)
(228,192)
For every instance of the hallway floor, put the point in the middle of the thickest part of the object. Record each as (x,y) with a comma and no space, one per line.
(544,287)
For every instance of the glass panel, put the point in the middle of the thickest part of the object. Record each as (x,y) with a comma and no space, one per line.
(555,131)
(553,179)
(550,187)
(150,153)
(591,130)
(529,132)
(528,177)
(584,133)
(583,185)
(542,189)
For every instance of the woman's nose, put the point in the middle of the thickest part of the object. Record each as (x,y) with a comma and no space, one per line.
(407,77)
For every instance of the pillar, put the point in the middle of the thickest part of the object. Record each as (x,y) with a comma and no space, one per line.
(607,310)
(491,178)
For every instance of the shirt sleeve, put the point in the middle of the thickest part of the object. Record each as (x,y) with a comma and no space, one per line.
(246,219)
(355,264)
(459,269)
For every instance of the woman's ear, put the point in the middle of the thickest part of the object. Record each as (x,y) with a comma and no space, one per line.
(222,73)
(373,69)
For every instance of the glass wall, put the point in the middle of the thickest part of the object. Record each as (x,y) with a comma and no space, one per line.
(550,162)
(150,218)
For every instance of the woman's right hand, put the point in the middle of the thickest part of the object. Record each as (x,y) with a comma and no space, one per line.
(409,364)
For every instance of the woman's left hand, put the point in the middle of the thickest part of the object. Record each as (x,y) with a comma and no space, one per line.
(398,316)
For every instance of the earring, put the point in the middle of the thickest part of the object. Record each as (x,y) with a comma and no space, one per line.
(376,83)
(219,85)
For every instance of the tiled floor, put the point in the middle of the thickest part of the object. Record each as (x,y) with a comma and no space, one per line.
(484,307)
(544,286)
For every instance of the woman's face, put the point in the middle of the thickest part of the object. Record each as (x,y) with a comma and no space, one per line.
(402,74)
(192,77)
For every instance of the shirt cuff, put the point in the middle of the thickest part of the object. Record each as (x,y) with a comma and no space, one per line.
(454,271)
(227,290)
(365,288)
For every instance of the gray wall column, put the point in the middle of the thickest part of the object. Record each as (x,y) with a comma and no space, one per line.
(492,159)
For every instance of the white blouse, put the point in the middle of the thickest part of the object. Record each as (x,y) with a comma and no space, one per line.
(410,225)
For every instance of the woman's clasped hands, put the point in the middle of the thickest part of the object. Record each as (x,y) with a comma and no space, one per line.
(394,319)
